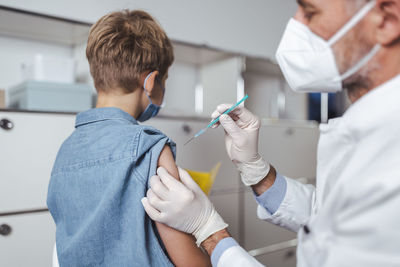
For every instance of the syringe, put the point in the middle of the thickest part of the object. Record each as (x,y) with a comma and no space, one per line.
(216,120)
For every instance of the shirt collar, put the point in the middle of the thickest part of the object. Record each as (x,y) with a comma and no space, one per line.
(101,114)
(375,99)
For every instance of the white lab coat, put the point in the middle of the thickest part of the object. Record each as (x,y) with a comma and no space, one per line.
(353,214)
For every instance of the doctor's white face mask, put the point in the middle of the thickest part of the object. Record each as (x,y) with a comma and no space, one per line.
(308,62)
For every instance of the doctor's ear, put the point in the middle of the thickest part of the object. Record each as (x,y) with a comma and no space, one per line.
(149,81)
(388,31)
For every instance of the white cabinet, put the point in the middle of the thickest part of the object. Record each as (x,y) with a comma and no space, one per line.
(221,83)
(282,258)
(228,206)
(259,233)
(30,242)
(270,95)
(291,148)
(27,154)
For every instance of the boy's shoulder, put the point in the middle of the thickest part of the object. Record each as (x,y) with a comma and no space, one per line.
(150,137)
(112,141)
(135,132)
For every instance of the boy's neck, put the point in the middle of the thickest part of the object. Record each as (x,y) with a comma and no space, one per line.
(130,103)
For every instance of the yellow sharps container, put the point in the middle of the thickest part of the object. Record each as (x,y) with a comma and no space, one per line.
(205,179)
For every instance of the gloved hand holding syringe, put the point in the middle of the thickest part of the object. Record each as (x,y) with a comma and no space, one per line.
(241,139)
(216,120)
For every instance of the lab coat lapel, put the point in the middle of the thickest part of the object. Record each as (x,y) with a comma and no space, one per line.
(334,149)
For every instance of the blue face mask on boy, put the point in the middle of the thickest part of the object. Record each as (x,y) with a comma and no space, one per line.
(151,109)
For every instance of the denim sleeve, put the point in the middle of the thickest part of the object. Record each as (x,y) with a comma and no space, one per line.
(221,247)
(150,138)
(149,146)
(273,197)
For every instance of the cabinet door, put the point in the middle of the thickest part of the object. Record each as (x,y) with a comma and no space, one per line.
(259,233)
(221,82)
(291,149)
(282,258)
(27,154)
(227,205)
(30,242)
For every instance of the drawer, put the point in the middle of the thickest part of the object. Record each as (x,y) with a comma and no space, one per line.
(27,154)
(283,258)
(258,233)
(227,204)
(30,242)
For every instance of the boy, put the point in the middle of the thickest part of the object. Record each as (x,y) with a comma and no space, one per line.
(102,170)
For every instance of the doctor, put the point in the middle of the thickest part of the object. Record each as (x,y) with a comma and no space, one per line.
(352,217)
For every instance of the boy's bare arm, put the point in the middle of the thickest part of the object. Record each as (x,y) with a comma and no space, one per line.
(181,247)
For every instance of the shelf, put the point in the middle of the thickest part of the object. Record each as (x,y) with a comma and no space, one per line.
(262,66)
(198,55)
(35,26)
(26,25)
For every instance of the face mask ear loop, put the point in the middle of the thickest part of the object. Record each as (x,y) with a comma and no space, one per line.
(144,86)
(163,88)
(361,63)
(353,22)
(163,104)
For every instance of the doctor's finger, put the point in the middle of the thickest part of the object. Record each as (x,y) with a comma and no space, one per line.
(187,180)
(245,117)
(234,114)
(158,187)
(154,214)
(154,200)
(223,107)
(168,180)
(230,127)
(215,115)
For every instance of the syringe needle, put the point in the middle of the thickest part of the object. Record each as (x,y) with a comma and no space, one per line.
(188,141)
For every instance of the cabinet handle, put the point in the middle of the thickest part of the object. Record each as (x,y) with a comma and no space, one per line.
(6,124)
(5,229)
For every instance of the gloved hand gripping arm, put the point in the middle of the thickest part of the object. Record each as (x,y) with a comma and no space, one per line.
(182,206)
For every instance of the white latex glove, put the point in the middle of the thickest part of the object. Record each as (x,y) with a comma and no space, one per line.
(182,206)
(241,140)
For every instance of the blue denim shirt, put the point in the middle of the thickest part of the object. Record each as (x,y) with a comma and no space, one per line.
(98,179)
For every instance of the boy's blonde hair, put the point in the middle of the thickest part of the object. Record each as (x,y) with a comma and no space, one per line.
(122,46)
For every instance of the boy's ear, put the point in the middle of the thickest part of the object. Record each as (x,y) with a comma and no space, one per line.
(150,82)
